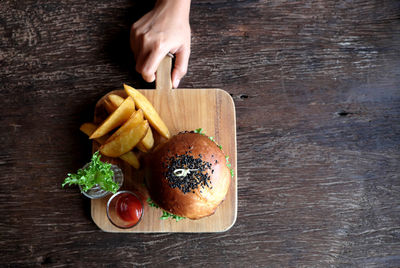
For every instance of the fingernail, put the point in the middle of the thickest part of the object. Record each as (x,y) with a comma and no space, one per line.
(175,84)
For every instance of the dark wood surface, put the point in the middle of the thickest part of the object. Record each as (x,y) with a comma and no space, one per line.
(317,91)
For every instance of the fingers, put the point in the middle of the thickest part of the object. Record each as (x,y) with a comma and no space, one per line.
(151,63)
(148,52)
(156,34)
(148,62)
(181,65)
(149,57)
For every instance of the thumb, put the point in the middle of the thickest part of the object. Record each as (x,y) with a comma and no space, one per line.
(181,65)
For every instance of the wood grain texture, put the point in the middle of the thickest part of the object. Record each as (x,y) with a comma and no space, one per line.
(317,96)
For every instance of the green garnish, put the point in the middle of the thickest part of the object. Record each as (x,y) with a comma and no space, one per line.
(96,172)
(201,131)
(151,203)
(228,164)
(165,214)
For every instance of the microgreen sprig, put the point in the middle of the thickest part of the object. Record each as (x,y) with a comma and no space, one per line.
(166,214)
(96,173)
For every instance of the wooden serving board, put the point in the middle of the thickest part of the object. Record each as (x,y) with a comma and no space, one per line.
(182,110)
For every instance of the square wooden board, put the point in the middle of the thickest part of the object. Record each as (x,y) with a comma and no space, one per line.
(182,110)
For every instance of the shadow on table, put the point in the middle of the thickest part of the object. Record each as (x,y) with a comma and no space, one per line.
(116,50)
(117,41)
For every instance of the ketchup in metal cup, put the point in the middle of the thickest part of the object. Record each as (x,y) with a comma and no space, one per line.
(129,208)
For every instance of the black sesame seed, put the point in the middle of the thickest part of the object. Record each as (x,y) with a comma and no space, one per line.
(193,179)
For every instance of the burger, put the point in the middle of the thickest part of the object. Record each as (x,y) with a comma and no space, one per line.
(188,175)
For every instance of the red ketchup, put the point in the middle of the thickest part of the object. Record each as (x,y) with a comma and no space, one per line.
(129,208)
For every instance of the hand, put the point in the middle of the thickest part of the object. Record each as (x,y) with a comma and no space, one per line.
(164,29)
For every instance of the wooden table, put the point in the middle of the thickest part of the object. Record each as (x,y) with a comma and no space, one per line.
(316,86)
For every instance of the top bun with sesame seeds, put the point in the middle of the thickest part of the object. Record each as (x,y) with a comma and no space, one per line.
(188,176)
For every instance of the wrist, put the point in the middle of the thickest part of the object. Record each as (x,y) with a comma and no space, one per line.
(182,2)
(181,7)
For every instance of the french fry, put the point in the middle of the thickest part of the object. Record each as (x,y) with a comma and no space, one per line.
(141,147)
(129,157)
(126,139)
(149,112)
(109,106)
(135,119)
(115,99)
(112,102)
(89,128)
(117,118)
(148,141)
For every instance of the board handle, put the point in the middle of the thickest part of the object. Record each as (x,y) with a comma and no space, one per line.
(163,75)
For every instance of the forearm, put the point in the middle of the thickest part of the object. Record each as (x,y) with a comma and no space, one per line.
(181,7)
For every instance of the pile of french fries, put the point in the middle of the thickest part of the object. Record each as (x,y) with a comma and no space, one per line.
(132,126)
